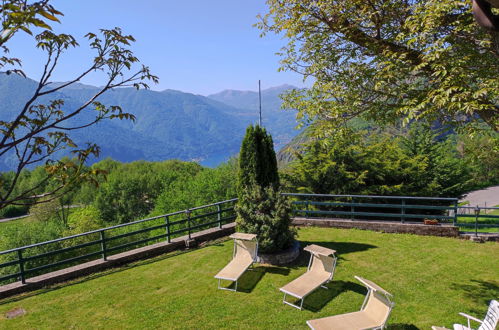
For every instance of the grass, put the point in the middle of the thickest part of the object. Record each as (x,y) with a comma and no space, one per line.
(16,223)
(481,220)
(431,278)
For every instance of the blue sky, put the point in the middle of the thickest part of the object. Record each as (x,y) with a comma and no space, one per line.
(195,46)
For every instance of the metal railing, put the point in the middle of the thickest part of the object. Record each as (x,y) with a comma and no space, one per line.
(28,261)
(370,207)
(479,217)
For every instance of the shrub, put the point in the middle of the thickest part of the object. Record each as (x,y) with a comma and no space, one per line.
(266,213)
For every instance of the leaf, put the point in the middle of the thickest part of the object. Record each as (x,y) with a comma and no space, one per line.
(49,16)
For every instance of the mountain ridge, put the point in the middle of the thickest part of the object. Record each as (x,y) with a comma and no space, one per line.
(170,123)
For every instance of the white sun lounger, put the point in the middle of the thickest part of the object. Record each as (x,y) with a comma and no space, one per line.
(320,271)
(374,313)
(489,322)
(244,255)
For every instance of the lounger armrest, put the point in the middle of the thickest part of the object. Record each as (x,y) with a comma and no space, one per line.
(469,317)
(438,328)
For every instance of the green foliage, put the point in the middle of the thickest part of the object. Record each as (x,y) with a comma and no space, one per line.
(481,153)
(257,160)
(260,209)
(84,219)
(380,164)
(205,187)
(131,189)
(44,211)
(266,213)
(12,211)
(42,124)
(29,233)
(388,61)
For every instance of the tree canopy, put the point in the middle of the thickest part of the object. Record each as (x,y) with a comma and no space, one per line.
(43,125)
(388,61)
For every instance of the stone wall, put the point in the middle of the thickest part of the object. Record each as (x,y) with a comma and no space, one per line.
(383,226)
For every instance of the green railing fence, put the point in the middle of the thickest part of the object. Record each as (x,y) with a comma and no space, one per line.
(370,207)
(32,260)
(35,259)
(477,218)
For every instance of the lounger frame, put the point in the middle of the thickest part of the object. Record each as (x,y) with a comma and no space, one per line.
(301,299)
(371,288)
(235,237)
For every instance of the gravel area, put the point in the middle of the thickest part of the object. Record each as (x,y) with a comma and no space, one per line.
(488,197)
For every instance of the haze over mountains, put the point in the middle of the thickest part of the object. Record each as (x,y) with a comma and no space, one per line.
(170,124)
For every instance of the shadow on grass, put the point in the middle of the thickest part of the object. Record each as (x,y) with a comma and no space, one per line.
(342,247)
(321,297)
(401,326)
(276,270)
(113,270)
(248,281)
(480,292)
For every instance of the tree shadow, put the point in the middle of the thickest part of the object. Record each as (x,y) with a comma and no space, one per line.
(118,268)
(321,297)
(284,271)
(341,247)
(248,281)
(401,326)
(480,292)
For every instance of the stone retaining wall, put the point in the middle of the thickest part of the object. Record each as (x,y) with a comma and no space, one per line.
(383,226)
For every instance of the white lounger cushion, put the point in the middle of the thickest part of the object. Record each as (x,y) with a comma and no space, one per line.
(319,273)
(245,254)
(374,315)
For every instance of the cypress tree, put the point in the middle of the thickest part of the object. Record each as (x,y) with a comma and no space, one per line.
(261,209)
(257,160)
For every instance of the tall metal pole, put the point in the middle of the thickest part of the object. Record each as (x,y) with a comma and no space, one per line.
(260,102)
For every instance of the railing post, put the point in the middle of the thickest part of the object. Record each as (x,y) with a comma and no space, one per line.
(167,224)
(219,216)
(477,212)
(307,207)
(21,266)
(103,245)
(188,212)
(454,220)
(352,210)
(402,211)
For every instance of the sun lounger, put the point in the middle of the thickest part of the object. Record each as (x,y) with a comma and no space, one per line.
(373,314)
(489,322)
(320,271)
(245,253)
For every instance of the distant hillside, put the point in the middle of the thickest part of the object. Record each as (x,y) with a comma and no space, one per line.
(170,124)
(275,119)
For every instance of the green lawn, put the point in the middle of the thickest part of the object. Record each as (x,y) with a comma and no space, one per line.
(16,223)
(431,278)
(484,220)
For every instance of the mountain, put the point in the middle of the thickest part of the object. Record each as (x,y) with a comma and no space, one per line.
(170,124)
(281,123)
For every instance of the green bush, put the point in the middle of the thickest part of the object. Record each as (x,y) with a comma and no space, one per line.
(266,213)
(12,211)
(208,186)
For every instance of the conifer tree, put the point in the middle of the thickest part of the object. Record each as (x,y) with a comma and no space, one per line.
(257,160)
(261,209)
